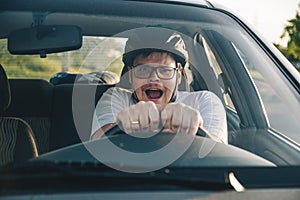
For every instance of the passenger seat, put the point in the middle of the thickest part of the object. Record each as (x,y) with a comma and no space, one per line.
(17,142)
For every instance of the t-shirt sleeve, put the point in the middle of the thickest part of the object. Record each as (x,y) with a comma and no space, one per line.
(108,107)
(214,115)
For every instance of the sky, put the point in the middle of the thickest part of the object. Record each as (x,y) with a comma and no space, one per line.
(268,17)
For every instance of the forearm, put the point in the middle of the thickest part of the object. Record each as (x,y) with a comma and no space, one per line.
(100,132)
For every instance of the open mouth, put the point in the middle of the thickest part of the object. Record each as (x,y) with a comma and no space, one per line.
(154,93)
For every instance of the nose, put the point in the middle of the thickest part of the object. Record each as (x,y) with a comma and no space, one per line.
(153,75)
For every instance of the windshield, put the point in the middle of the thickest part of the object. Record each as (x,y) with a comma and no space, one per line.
(246,107)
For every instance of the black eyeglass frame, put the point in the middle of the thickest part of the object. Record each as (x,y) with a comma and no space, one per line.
(154,69)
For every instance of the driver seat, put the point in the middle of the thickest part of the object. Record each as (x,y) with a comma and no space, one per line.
(17,142)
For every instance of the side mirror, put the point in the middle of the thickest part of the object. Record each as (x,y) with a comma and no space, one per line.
(44,40)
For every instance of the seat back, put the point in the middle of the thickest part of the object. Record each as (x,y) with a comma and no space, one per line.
(32,101)
(58,115)
(17,142)
(72,113)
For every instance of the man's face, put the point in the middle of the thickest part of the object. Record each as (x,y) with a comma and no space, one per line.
(154,88)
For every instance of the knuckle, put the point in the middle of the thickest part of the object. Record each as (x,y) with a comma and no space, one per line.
(126,128)
(177,123)
(185,126)
(140,105)
(150,103)
(193,130)
(155,121)
(181,105)
(164,115)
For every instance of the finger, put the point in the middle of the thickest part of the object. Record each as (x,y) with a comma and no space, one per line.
(165,118)
(124,120)
(200,120)
(196,122)
(154,118)
(176,113)
(142,115)
(186,121)
(134,118)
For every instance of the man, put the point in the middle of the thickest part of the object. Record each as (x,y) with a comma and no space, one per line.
(155,62)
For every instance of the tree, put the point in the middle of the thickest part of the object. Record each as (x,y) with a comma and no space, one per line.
(292,31)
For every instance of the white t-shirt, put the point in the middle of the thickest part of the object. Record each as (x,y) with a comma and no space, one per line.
(207,103)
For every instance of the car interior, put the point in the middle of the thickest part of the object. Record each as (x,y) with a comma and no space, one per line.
(50,122)
(47,110)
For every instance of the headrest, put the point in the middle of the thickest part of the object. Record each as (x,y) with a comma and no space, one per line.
(4,91)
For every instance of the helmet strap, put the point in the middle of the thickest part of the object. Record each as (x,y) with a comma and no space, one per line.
(134,97)
(173,97)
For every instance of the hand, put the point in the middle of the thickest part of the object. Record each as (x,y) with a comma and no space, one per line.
(143,116)
(180,118)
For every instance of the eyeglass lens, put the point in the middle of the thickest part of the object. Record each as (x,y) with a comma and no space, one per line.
(145,71)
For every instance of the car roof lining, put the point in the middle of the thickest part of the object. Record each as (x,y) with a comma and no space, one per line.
(110,22)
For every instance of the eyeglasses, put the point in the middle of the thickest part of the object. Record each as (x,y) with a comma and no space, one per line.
(145,71)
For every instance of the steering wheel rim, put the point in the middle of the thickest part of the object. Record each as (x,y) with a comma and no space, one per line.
(116,130)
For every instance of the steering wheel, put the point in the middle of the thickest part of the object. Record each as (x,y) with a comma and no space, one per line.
(116,130)
(138,153)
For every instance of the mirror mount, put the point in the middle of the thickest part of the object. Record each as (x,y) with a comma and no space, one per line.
(39,18)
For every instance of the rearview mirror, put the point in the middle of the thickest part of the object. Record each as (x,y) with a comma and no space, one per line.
(44,40)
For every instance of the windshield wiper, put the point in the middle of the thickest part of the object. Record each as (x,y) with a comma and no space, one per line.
(96,176)
(72,174)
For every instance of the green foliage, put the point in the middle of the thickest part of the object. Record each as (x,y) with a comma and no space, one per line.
(292,31)
(20,66)
(96,54)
